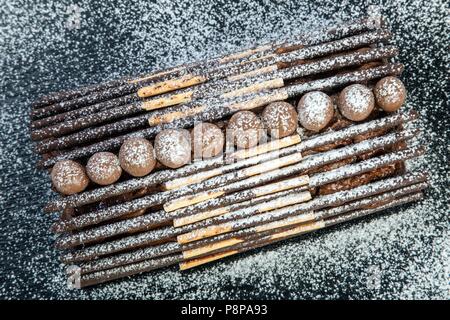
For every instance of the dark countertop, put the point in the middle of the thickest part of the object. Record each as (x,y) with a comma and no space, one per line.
(63,44)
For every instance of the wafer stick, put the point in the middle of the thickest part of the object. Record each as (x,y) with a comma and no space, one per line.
(215,114)
(269,80)
(155,178)
(212,225)
(296,231)
(316,216)
(238,220)
(93,235)
(269,62)
(184,77)
(147,265)
(153,219)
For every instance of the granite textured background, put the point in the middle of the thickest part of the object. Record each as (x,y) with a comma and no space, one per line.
(52,45)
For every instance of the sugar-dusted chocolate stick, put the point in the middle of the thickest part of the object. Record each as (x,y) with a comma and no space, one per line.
(145,222)
(307,164)
(274,81)
(198,72)
(152,264)
(207,246)
(119,210)
(270,62)
(258,154)
(148,238)
(296,231)
(238,220)
(158,177)
(245,86)
(215,114)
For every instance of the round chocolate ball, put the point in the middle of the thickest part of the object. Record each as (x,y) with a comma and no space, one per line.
(103,168)
(356,102)
(136,156)
(246,129)
(69,177)
(173,147)
(390,93)
(280,119)
(315,110)
(207,140)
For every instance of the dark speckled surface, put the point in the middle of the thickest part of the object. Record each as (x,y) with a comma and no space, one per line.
(52,45)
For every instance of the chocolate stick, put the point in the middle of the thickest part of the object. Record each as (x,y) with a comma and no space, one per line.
(147,238)
(202,247)
(147,265)
(155,178)
(159,198)
(186,72)
(245,86)
(145,222)
(302,229)
(189,109)
(214,114)
(307,164)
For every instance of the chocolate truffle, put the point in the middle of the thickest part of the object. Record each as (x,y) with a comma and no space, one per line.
(69,177)
(315,110)
(356,102)
(280,119)
(390,93)
(137,157)
(173,147)
(207,140)
(103,168)
(246,129)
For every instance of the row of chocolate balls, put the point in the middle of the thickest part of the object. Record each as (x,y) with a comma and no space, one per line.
(173,146)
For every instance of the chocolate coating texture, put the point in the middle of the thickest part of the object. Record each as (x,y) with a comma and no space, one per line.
(356,102)
(69,177)
(173,147)
(246,129)
(137,157)
(207,140)
(390,93)
(315,110)
(280,119)
(104,168)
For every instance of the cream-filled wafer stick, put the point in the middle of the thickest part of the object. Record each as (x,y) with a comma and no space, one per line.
(134,184)
(296,231)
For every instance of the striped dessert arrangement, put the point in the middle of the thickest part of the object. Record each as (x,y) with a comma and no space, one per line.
(207,160)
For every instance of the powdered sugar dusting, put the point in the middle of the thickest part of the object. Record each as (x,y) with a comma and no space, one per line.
(407,249)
